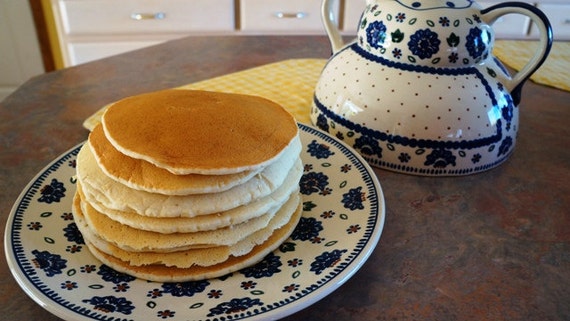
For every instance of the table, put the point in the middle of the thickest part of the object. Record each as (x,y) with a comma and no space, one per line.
(491,246)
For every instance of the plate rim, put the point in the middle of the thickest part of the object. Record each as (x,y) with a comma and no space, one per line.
(52,305)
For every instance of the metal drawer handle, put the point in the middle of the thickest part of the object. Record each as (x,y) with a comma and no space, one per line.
(290,15)
(148,16)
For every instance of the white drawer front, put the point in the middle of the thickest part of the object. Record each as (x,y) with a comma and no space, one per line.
(352,11)
(559,16)
(511,26)
(282,15)
(81,17)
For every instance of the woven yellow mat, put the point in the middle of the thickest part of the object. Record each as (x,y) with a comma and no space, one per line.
(555,71)
(290,83)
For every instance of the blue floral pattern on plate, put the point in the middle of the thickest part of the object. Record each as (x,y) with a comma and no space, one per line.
(47,256)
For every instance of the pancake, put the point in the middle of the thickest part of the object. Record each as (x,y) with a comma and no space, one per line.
(116,196)
(134,240)
(201,257)
(183,185)
(208,222)
(162,273)
(200,132)
(188,257)
(142,175)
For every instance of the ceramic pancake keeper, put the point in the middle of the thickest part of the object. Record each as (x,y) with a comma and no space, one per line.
(419,91)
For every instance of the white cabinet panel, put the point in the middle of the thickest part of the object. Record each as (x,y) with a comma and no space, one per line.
(20,57)
(352,11)
(150,16)
(559,16)
(510,26)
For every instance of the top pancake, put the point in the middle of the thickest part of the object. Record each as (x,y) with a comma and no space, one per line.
(142,175)
(200,132)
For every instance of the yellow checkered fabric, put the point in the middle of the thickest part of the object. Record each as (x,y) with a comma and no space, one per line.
(290,83)
(555,71)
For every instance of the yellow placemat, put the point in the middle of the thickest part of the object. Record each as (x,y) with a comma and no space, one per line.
(555,71)
(290,83)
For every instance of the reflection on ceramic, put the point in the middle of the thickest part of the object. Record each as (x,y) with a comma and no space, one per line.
(419,90)
(343,217)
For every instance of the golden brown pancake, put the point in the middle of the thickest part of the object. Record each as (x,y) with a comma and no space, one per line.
(135,240)
(208,222)
(142,175)
(116,196)
(193,131)
(181,185)
(162,273)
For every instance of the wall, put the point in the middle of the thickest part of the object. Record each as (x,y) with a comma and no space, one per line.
(20,57)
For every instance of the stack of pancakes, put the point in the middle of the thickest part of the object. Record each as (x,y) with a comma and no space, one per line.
(181,185)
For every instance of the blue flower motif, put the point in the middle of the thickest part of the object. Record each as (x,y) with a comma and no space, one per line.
(453,57)
(476,158)
(376,34)
(440,158)
(110,275)
(313,183)
(319,150)
(476,45)
(506,144)
(354,198)
(266,268)
(52,192)
(397,53)
(51,264)
(400,17)
(185,288)
(72,234)
(404,157)
(234,306)
(424,43)
(108,304)
(477,18)
(326,260)
(307,228)
(165,314)
(322,123)
(368,146)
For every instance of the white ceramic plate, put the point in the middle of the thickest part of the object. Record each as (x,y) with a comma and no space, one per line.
(342,221)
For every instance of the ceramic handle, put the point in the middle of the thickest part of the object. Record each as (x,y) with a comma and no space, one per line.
(331,25)
(491,14)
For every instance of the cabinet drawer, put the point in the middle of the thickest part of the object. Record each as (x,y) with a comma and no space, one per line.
(559,16)
(509,26)
(282,15)
(82,17)
(353,9)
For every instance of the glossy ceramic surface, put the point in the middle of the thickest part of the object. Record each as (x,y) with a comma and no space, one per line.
(419,90)
(342,221)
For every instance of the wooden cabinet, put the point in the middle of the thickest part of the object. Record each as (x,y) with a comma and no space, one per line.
(92,29)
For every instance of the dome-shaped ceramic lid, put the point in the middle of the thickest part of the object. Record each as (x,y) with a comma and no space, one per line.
(434,33)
